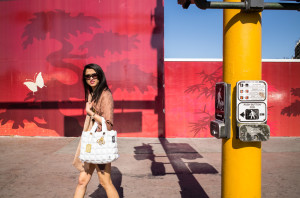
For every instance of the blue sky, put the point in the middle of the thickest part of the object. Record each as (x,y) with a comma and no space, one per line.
(196,33)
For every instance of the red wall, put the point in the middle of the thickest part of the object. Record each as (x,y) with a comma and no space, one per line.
(190,97)
(284,97)
(57,38)
(190,90)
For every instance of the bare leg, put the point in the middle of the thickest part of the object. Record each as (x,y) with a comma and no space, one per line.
(105,181)
(83,180)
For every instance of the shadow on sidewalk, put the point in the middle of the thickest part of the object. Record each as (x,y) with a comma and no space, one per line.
(176,152)
(116,177)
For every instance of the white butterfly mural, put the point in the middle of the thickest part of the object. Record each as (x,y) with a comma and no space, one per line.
(33,85)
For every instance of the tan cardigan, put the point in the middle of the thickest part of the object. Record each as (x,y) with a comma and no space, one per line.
(104,108)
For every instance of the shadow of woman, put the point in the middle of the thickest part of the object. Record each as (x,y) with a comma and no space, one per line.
(116,177)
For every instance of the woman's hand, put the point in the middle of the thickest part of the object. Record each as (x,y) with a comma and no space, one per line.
(88,108)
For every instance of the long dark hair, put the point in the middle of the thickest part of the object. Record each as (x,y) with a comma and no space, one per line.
(102,85)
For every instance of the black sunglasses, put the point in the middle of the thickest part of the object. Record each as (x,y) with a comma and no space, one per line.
(94,76)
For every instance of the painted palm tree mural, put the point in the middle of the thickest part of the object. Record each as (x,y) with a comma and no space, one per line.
(206,89)
(131,76)
(113,42)
(60,25)
(68,61)
(294,108)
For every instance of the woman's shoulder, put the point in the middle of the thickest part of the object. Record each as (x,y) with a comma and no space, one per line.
(105,98)
(106,93)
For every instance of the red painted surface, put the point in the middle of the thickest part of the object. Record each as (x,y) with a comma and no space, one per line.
(57,38)
(284,97)
(190,97)
(45,45)
(190,94)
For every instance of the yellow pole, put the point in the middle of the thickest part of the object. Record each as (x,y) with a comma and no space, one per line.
(241,161)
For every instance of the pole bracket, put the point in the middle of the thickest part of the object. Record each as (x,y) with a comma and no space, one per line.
(246,5)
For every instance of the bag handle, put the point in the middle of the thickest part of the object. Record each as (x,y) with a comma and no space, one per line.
(94,128)
(104,127)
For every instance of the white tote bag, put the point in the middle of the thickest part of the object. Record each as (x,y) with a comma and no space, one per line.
(99,147)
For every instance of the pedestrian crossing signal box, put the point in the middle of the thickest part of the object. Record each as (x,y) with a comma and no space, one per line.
(220,128)
(251,110)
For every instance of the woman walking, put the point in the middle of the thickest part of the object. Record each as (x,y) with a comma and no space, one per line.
(99,103)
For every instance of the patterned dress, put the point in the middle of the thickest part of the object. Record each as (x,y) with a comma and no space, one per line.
(105,108)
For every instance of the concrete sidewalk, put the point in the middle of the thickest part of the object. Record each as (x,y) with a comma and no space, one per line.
(147,167)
